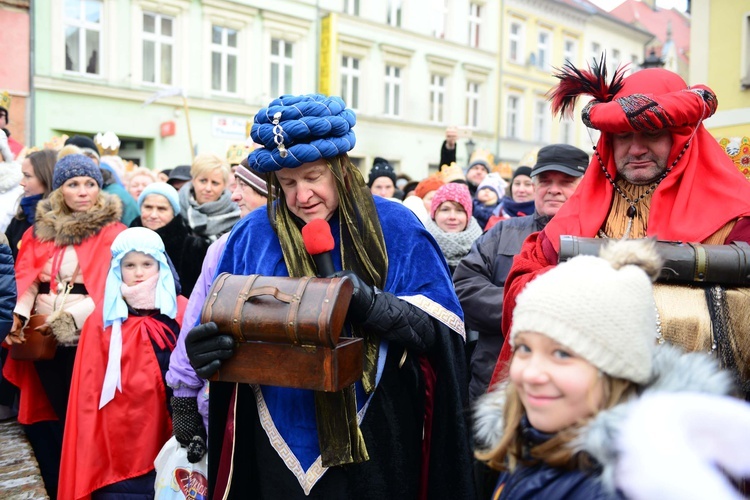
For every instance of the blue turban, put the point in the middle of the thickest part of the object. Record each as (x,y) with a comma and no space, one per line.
(309,127)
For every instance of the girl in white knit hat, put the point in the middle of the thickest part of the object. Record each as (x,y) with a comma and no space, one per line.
(586,347)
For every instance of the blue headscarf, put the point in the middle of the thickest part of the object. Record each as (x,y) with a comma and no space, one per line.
(301,129)
(136,239)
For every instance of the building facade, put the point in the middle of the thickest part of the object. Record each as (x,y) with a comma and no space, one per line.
(720,58)
(14,65)
(409,68)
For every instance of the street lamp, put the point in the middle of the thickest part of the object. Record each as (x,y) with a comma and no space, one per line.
(652,60)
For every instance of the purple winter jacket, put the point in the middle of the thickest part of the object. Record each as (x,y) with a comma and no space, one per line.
(181,377)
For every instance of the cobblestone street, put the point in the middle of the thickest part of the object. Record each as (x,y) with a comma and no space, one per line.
(19,473)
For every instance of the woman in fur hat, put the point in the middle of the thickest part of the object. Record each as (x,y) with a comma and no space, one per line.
(584,337)
(60,272)
(451,223)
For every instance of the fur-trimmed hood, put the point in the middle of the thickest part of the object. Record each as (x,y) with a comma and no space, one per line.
(673,371)
(52,224)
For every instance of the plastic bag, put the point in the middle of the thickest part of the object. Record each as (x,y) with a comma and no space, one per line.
(178,479)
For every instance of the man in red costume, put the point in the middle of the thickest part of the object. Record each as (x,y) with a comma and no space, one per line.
(655,172)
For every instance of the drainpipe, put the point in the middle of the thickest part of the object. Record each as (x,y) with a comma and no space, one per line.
(498,110)
(30,115)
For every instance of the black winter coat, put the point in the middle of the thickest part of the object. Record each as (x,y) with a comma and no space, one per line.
(549,483)
(8,293)
(479,280)
(15,231)
(185,250)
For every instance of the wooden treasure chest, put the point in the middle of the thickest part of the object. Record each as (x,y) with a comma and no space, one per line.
(287,331)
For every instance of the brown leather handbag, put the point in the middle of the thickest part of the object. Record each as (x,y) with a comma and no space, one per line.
(287,331)
(36,347)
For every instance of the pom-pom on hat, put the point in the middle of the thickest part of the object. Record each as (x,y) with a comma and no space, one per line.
(452,191)
(301,129)
(75,166)
(381,168)
(164,189)
(602,308)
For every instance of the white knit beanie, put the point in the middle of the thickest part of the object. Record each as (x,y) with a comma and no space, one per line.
(602,308)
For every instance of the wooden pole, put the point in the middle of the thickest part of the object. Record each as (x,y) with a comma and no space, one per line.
(187,120)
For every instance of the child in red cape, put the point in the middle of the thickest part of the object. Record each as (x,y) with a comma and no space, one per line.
(119,417)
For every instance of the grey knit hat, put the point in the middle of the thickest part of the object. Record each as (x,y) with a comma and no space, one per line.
(75,166)
(602,308)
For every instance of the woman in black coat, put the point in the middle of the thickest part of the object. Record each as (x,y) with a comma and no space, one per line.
(159,206)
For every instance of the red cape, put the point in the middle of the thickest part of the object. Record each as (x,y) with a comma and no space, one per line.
(120,441)
(703,192)
(15,146)
(94,257)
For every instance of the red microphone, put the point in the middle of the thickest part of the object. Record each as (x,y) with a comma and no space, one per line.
(319,243)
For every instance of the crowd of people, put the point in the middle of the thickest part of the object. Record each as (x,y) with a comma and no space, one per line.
(496,363)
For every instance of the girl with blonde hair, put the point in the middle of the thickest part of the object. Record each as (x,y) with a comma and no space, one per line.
(585,348)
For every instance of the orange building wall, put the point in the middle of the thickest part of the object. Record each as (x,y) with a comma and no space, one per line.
(14,66)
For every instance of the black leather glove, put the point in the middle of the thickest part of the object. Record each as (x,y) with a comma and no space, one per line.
(206,348)
(363,297)
(187,427)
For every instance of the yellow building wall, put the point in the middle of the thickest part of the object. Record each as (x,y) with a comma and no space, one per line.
(530,81)
(727,34)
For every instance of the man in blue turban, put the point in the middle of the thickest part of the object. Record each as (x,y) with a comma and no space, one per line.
(400,432)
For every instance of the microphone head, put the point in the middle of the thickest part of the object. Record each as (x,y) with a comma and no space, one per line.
(317,237)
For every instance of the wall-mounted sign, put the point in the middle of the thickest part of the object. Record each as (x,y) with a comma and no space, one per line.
(167,129)
(228,127)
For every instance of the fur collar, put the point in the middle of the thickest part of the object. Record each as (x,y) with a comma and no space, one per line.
(71,229)
(673,371)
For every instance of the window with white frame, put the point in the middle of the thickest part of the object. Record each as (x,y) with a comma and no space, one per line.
(351,7)
(615,61)
(282,64)
(350,75)
(543,49)
(158,45)
(475,22)
(570,47)
(515,42)
(541,120)
(393,84)
(513,117)
(394,13)
(83,28)
(472,104)
(566,131)
(223,60)
(596,51)
(437,98)
(440,14)
(745,54)
(633,64)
